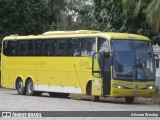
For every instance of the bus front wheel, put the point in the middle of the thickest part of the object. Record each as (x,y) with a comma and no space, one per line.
(20,88)
(129,99)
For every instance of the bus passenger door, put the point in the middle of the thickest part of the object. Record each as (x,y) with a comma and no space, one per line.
(102,73)
(97,79)
(106,73)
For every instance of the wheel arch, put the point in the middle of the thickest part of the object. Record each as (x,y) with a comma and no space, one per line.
(89,87)
(28,78)
(17,79)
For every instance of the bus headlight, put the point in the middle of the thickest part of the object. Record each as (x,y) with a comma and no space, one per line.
(150,87)
(118,86)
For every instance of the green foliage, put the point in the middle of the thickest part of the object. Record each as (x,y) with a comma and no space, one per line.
(23,17)
(56,7)
(151,17)
(82,13)
(109,15)
(71,14)
(112,15)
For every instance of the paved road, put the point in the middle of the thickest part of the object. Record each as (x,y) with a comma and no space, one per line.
(10,101)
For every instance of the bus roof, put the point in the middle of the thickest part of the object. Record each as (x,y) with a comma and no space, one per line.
(116,35)
(79,33)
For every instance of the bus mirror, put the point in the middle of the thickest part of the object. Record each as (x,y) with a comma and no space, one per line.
(156,60)
(111,60)
(108,55)
(157,63)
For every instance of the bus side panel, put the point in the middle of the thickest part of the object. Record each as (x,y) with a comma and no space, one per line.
(7,74)
(5,82)
(61,78)
(45,78)
(73,80)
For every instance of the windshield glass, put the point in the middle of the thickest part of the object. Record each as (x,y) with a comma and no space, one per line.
(133,60)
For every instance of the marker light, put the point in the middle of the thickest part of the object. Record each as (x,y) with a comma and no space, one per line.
(150,87)
(118,86)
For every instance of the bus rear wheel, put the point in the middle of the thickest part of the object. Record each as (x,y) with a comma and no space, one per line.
(30,88)
(20,88)
(129,100)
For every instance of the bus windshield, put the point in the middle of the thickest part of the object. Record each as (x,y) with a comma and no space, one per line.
(133,60)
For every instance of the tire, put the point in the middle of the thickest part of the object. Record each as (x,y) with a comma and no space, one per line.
(94,98)
(30,88)
(20,88)
(89,88)
(129,100)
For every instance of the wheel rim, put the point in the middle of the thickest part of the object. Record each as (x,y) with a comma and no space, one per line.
(30,87)
(20,86)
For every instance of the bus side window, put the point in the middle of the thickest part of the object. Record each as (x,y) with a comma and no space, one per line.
(38,47)
(22,48)
(6,50)
(102,45)
(53,45)
(74,47)
(9,48)
(88,46)
(62,47)
(30,48)
(46,48)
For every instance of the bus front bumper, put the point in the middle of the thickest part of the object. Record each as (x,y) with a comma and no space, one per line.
(118,92)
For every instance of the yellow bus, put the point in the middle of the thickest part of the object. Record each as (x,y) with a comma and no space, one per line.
(82,62)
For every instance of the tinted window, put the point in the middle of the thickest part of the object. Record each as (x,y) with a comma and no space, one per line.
(22,48)
(88,46)
(49,47)
(31,48)
(9,48)
(38,47)
(46,48)
(61,47)
(102,45)
(74,47)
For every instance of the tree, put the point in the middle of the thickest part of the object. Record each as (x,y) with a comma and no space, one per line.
(71,14)
(109,15)
(151,9)
(23,17)
(81,12)
(55,18)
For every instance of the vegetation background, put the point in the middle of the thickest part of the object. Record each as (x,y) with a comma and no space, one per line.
(24,17)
